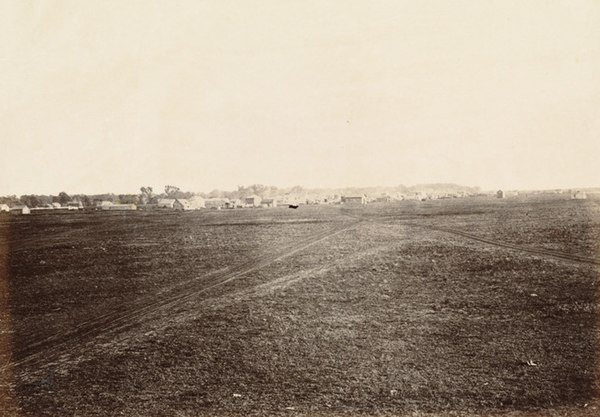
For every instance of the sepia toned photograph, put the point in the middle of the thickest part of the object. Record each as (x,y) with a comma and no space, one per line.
(316,208)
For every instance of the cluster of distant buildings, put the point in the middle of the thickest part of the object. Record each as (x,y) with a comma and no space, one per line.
(23,209)
(575,194)
(198,202)
(178,204)
(254,201)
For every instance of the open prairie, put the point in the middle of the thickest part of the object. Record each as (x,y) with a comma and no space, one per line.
(474,306)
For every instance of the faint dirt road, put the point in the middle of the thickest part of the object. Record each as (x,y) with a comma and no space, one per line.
(519,248)
(62,343)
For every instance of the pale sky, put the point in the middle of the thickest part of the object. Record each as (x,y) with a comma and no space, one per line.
(99,96)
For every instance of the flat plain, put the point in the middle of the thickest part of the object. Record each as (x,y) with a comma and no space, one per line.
(474,306)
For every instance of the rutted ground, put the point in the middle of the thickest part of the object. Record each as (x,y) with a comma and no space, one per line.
(381,318)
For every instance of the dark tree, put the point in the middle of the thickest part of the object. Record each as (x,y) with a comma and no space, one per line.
(63,198)
(146,195)
(9,199)
(86,201)
(44,199)
(30,200)
(128,198)
(171,190)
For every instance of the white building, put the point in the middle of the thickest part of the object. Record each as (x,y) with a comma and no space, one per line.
(354,199)
(166,203)
(182,204)
(216,203)
(75,205)
(21,209)
(268,202)
(252,201)
(120,207)
(196,202)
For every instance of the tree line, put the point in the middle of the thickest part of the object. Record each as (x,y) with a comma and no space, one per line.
(146,195)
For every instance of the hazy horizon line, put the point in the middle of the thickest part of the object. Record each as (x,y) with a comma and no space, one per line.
(160,190)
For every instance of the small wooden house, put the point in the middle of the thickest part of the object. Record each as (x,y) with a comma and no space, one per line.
(103,204)
(354,199)
(119,207)
(234,203)
(20,209)
(268,202)
(196,202)
(75,205)
(182,204)
(216,203)
(168,203)
(252,201)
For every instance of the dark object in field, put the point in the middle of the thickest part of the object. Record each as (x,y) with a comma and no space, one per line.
(294,206)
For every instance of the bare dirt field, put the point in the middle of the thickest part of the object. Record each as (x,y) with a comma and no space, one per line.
(470,306)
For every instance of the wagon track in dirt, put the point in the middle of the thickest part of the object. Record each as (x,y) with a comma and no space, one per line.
(120,320)
(534,251)
(527,249)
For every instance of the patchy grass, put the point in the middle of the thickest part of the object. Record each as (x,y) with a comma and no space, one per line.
(381,318)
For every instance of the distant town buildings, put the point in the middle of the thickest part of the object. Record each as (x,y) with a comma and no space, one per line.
(20,209)
(383,199)
(264,200)
(181,204)
(167,203)
(234,203)
(354,199)
(252,201)
(114,207)
(216,203)
(269,202)
(196,202)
